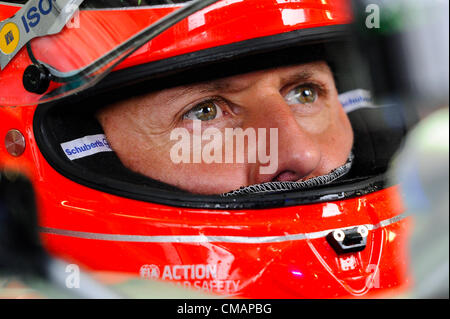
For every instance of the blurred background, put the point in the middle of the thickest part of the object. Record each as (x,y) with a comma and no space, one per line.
(413,71)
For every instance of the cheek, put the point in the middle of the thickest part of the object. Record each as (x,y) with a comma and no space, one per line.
(137,149)
(208,178)
(330,127)
(337,142)
(146,154)
(316,124)
(160,157)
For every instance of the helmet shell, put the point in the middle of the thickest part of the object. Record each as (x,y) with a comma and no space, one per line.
(267,252)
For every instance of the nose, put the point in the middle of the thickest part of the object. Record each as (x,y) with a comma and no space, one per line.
(293,155)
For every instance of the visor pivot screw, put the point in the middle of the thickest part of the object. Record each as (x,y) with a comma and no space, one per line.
(339,235)
(15,143)
(363,231)
(36,79)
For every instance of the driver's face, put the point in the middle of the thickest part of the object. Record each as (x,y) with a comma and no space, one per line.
(313,133)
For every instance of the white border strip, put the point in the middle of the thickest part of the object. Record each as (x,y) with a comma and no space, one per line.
(208,239)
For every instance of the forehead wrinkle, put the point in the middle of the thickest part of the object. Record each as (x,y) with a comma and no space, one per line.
(217,86)
(230,85)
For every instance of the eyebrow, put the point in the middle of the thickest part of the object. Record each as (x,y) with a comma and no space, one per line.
(224,85)
(301,76)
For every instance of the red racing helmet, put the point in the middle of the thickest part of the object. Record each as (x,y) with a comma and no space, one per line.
(342,237)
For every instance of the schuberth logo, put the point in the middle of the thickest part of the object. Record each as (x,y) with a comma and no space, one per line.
(86,146)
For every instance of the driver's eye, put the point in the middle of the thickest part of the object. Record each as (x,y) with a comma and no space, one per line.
(204,111)
(303,94)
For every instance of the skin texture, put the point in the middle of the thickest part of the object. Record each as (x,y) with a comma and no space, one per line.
(313,138)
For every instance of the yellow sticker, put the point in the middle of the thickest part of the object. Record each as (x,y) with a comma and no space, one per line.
(9,38)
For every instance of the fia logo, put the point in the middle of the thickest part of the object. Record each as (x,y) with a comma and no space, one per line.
(32,17)
(348,263)
(149,272)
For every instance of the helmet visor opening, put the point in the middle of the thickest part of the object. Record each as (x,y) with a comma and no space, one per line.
(375,129)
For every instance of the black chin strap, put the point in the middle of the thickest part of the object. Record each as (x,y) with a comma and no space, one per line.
(272,187)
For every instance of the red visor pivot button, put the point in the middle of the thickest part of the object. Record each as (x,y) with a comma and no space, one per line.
(348,240)
(15,143)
